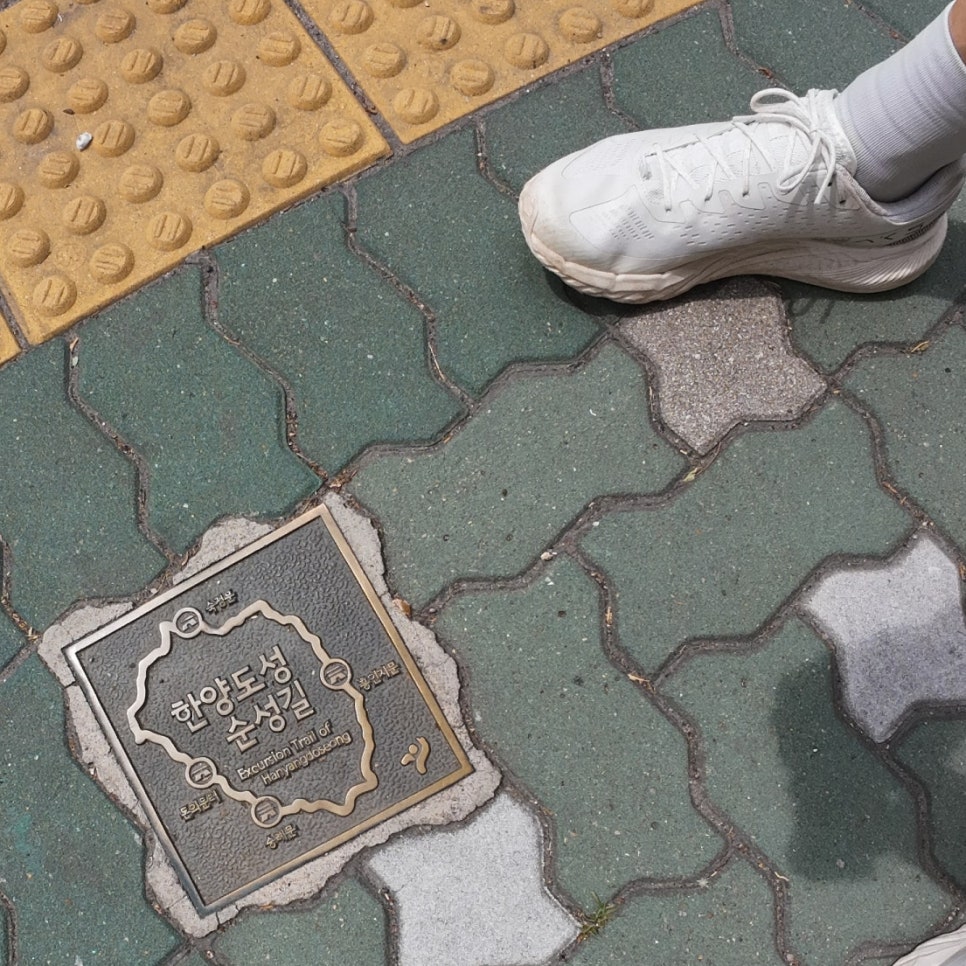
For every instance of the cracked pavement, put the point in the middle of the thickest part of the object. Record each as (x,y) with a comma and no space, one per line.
(699,566)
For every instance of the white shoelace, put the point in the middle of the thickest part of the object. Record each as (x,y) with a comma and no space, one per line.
(796,113)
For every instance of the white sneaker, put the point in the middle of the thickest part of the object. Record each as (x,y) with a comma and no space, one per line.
(644,216)
(946,950)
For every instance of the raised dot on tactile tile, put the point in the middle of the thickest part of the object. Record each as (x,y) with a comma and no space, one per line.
(249,11)
(284,168)
(169,107)
(141,65)
(526,51)
(226,199)
(438,33)
(112,262)
(33,125)
(38,15)
(493,11)
(633,8)
(59,56)
(14,82)
(472,77)
(580,25)
(166,6)
(57,169)
(140,183)
(54,295)
(168,230)
(11,199)
(351,16)
(196,152)
(416,105)
(223,77)
(28,246)
(114,25)
(308,92)
(340,138)
(279,48)
(253,121)
(84,214)
(113,138)
(384,59)
(87,95)
(195,36)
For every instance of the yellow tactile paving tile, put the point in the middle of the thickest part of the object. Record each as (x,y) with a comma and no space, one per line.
(138,131)
(8,344)
(425,63)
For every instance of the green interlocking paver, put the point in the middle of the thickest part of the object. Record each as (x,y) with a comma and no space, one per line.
(489,501)
(824,43)
(828,813)
(936,752)
(725,922)
(729,550)
(11,640)
(918,400)
(348,925)
(435,221)
(67,496)
(650,85)
(828,326)
(907,16)
(578,734)
(208,422)
(71,863)
(353,351)
(527,134)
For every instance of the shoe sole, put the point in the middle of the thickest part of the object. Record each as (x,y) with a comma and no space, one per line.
(833,265)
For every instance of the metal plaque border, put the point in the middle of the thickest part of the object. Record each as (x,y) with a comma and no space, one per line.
(324,514)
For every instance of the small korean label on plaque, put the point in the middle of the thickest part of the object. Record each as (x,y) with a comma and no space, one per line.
(267,710)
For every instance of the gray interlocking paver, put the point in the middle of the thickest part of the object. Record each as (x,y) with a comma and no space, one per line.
(490,500)
(434,220)
(744,535)
(70,860)
(650,86)
(211,431)
(474,896)
(347,925)
(578,734)
(351,348)
(898,631)
(917,400)
(723,358)
(835,821)
(725,920)
(68,496)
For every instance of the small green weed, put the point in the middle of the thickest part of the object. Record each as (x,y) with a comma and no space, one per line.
(595,921)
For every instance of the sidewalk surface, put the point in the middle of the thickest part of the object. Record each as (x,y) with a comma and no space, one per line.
(700,565)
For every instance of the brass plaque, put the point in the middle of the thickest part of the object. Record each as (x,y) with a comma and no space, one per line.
(267,710)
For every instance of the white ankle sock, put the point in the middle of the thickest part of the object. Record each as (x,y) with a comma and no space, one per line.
(906,117)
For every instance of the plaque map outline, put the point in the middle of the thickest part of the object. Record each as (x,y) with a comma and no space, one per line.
(188,624)
(266,812)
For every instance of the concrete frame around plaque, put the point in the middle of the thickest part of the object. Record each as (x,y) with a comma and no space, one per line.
(310,803)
